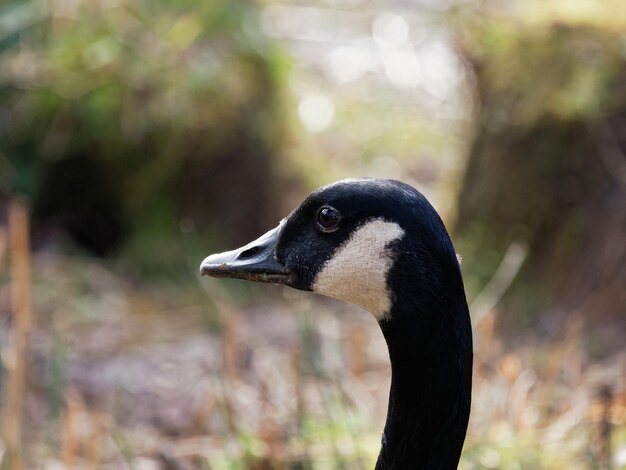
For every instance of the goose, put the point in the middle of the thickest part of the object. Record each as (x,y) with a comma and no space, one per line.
(379,244)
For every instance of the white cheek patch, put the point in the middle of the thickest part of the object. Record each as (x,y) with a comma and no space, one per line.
(357,273)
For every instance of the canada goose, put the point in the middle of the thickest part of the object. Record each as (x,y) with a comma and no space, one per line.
(379,244)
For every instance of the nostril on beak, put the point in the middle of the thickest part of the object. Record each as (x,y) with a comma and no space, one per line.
(249,253)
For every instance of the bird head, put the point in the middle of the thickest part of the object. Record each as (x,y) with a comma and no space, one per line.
(343,241)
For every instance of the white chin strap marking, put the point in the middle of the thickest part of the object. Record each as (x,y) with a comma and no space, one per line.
(357,273)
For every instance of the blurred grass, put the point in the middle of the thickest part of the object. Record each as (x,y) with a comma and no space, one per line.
(277,385)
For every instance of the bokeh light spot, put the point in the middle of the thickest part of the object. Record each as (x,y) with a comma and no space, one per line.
(316,111)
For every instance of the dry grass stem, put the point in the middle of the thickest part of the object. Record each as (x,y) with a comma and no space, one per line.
(71,431)
(15,360)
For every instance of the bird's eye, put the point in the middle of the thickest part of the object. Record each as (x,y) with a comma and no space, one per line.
(328,219)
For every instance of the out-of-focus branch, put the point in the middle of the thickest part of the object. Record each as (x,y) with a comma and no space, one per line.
(21,311)
(500,282)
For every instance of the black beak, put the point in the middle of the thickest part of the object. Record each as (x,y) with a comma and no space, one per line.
(254,262)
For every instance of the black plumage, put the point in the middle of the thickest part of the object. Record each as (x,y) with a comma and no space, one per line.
(427,326)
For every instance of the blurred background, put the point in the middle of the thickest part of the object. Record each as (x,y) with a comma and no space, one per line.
(138,136)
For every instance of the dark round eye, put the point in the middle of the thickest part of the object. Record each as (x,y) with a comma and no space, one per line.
(328,218)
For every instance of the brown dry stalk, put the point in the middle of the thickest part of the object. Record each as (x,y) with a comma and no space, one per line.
(231,348)
(604,427)
(271,431)
(21,311)
(72,435)
(3,243)
(298,385)
(95,440)
(357,349)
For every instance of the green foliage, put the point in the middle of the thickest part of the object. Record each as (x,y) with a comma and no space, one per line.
(153,94)
(531,72)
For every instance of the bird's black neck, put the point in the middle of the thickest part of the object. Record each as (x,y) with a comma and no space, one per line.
(430,348)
